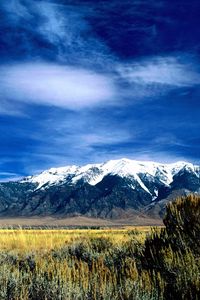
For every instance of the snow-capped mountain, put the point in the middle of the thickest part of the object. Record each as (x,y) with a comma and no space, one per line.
(103,190)
(94,173)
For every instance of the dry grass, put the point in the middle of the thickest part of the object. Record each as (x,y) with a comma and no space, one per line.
(48,239)
(121,263)
(73,264)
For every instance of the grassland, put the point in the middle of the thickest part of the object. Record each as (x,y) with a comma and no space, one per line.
(123,263)
(22,240)
(67,264)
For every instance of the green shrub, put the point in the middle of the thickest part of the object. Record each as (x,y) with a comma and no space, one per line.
(173,252)
(166,266)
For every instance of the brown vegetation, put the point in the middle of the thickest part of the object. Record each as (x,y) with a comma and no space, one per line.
(110,264)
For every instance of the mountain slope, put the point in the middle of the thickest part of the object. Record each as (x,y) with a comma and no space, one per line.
(113,189)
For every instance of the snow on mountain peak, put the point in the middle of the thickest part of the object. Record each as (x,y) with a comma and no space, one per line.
(94,173)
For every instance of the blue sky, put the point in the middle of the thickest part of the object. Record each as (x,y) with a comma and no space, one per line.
(88,81)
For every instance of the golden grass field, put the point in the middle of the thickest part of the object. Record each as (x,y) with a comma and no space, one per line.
(25,240)
(69,264)
(106,262)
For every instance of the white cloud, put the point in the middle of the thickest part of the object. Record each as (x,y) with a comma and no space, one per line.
(161,71)
(56,85)
(8,176)
(59,27)
(8,173)
(63,26)
(105,138)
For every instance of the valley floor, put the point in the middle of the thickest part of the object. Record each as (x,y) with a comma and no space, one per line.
(109,262)
(78,221)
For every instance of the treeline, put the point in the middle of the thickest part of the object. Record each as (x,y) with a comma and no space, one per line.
(164,266)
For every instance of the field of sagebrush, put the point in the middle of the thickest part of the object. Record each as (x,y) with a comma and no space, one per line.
(86,264)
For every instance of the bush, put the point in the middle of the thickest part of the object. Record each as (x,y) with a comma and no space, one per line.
(165,266)
(173,252)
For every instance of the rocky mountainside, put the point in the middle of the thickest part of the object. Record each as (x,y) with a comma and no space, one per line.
(110,190)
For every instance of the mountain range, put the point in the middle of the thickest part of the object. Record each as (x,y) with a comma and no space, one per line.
(114,189)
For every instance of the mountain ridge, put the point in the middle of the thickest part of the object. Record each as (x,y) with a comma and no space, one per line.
(122,167)
(111,189)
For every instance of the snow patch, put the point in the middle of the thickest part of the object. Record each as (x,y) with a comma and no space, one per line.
(94,173)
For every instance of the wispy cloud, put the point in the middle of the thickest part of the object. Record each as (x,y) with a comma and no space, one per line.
(104,137)
(167,71)
(89,84)
(9,176)
(16,10)
(51,84)
(44,31)
(11,109)
(55,31)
